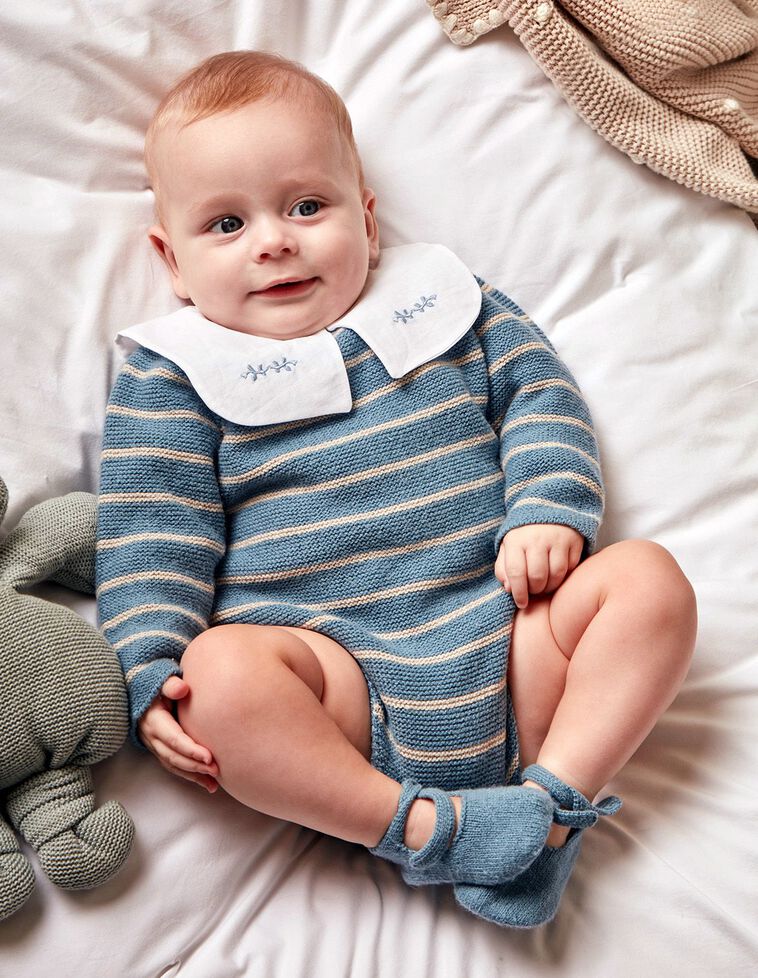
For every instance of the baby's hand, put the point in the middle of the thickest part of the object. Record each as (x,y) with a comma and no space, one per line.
(176,751)
(536,559)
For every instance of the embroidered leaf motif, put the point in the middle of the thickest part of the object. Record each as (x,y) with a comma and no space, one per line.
(404,316)
(260,371)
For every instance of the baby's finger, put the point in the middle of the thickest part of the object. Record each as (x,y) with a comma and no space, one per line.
(538,569)
(516,572)
(167,731)
(175,688)
(204,780)
(180,762)
(576,549)
(559,566)
(500,567)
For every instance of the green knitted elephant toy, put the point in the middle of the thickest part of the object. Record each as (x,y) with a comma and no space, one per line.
(63,707)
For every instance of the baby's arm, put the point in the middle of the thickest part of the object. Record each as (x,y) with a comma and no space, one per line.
(548,450)
(161,533)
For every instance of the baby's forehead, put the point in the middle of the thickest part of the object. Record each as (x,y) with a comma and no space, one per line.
(233,134)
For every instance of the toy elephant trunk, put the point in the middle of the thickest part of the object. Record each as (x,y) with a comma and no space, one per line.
(63,707)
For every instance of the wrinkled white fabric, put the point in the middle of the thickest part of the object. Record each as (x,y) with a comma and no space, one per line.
(648,292)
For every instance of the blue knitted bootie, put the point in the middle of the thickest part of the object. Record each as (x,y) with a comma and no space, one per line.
(500,832)
(532,898)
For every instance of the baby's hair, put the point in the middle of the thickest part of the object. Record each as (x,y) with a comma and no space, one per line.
(235,78)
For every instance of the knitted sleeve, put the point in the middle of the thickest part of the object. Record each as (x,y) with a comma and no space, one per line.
(161,527)
(548,449)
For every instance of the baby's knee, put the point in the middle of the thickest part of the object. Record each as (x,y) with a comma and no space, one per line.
(225,667)
(652,577)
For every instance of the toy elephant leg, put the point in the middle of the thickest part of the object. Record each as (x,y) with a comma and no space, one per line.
(79,846)
(16,873)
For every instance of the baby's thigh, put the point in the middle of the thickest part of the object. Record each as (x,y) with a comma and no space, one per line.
(344,693)
(233,670)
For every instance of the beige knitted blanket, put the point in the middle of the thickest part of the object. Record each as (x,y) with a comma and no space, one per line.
(671,83)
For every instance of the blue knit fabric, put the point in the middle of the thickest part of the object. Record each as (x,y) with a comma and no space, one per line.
(532,898)
(502,830)
(378,528)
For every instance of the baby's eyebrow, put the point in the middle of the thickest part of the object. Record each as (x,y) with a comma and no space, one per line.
(211,203)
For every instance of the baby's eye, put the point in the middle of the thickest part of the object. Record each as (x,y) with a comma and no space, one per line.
(306,208)
(227,225)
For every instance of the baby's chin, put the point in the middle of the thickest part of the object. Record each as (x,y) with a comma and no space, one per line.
(285,331)
(286,323)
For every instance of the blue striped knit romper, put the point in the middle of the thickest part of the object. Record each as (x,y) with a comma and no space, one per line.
(378,528)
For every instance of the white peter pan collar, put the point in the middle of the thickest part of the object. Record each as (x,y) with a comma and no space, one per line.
(416,305)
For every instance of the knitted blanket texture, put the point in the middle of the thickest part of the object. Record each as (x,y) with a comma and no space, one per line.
(379,527)
(673,85)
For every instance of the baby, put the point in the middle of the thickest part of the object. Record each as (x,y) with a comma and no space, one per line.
(308,474)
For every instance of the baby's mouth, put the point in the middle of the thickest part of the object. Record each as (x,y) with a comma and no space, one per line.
(286,289)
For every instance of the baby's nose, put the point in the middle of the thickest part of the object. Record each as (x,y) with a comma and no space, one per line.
(273,238)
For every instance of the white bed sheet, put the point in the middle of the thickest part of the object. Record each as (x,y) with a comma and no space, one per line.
(648,291)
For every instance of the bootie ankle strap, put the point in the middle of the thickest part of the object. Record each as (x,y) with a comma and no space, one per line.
(439,842)
(392,846)
(574,810)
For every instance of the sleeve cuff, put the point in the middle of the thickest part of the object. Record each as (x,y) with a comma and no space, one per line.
(585,523)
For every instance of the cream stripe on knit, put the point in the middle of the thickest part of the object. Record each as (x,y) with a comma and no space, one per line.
(409,378)
(547,419)
(409,548)
(449,703)
(365,474)
(429,660)
(150,451)
(152,633)
(513,354)
(142,609)
(158,497)
(547,476)
(131,674)
(541,385)
(116,542)
(443,619)
(538,501)
(500,317)
(154,576)
(314,623)
(154,372)
(412,587)
(288,532)
(358,358)
(178,415)
(539,446)
(454,754)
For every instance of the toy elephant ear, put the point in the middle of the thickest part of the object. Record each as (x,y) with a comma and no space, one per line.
(54,541)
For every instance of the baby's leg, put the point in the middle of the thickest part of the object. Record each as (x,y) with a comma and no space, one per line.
(595,665)
(287,721)
(285,713)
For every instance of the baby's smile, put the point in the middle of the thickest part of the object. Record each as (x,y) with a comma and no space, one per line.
(291,288)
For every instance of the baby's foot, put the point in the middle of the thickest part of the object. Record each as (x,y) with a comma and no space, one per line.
(533,897)
(501,831)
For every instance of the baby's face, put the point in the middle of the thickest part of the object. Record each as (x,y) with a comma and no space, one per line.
(265,227)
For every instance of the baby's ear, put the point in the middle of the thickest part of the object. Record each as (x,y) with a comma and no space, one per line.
(372,227)
(159,239)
